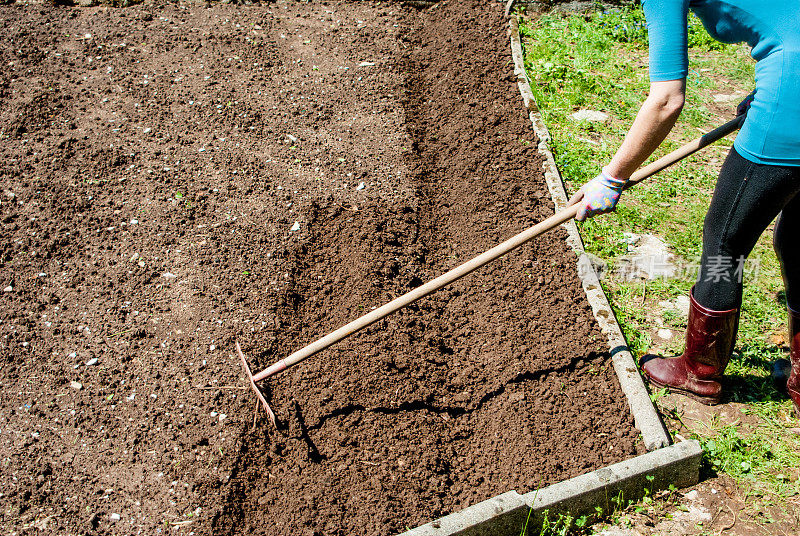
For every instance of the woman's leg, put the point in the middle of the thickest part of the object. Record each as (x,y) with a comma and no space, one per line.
(747,198)
(786,241)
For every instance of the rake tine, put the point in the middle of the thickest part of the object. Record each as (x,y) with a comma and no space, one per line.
(254,386)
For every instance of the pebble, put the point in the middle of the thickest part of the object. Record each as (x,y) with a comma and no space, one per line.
(631,238)
(366,64)
(134,221)
(699,514)
(147,130)
(212,347)
(590,115)
(114,517)
(75,385)
(169,275)
(295,227)
(361,186)
(291,138)
(682,303)
(649,258)
(92,361)
(665,334)
(9,288)
(724,98)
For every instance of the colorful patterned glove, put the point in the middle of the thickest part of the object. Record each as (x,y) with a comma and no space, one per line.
(744,106)
(598,195)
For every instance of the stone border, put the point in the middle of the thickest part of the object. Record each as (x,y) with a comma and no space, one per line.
(507,514)
(663,466)
(647,421)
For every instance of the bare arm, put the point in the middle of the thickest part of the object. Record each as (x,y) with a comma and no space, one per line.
(655,119)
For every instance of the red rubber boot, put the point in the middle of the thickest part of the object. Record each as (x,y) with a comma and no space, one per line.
(793,384)
(710,336)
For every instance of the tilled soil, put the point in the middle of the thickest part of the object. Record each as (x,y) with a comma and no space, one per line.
(176,178)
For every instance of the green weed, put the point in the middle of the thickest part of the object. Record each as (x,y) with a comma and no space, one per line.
(765,457)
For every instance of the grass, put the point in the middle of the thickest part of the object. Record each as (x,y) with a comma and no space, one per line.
(599,61)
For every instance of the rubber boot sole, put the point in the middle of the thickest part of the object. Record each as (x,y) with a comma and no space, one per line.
(707,400)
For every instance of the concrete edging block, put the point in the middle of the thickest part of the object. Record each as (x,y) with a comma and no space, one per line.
(504,514)
(612,486)
(607,488)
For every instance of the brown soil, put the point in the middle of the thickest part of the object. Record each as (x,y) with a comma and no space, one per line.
(155,160)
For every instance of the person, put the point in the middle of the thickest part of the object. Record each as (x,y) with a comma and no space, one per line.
(759,180)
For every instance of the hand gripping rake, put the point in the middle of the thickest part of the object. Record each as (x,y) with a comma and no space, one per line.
(469,266)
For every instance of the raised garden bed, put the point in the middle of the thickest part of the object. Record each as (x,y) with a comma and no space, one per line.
(156,161)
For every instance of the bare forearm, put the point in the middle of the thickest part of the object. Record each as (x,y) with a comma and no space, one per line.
(654,121)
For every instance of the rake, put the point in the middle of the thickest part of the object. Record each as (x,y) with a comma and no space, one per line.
(468,267)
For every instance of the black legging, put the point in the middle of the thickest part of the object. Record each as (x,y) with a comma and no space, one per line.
(747,198)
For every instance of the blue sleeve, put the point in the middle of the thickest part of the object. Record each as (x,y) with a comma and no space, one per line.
(667,31)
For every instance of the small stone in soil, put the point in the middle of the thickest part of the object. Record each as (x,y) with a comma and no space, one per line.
(295,227)
(169,275)
(75,385)
(92,361)
(114,517)
(9,288)
(361,186)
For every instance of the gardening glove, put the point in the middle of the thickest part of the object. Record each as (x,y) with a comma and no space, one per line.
(744,106)
(599,195)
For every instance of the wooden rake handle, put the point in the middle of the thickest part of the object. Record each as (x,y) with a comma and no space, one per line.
(484,258)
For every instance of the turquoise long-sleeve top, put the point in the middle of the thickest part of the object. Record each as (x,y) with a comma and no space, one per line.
(771,132)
